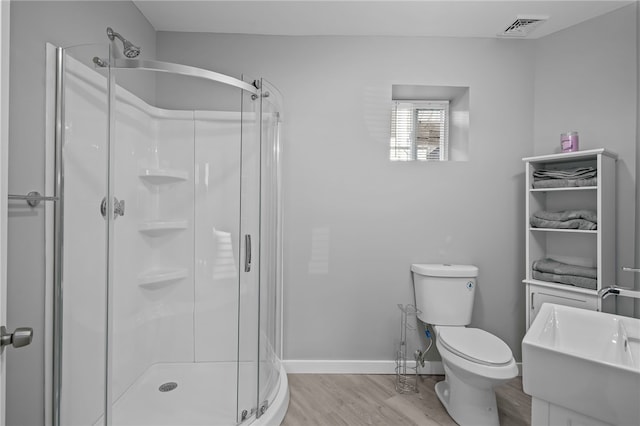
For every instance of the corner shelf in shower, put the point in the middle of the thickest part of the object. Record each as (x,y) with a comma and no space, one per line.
(156,228)
(157,277)
(163,176)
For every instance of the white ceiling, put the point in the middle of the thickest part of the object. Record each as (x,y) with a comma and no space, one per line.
(451,18)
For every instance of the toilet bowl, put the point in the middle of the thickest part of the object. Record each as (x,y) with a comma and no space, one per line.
(474,360)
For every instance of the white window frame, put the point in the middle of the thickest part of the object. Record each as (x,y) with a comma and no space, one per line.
(405,119)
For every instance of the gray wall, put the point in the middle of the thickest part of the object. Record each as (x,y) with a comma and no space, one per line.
(586,80)
(32,25)
(354,222)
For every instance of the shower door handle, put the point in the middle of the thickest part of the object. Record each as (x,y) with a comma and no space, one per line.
(20,337)
(247,252)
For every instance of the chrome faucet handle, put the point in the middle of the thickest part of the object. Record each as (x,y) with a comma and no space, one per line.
(628,269)
(618,291)
(605,292)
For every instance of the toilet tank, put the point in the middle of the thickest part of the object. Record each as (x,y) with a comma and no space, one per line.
(444,293)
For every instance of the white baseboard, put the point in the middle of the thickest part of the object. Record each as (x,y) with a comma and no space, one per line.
(319,366)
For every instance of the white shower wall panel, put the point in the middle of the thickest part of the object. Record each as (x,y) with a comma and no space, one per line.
(173,316)
(217,211)
(152,323)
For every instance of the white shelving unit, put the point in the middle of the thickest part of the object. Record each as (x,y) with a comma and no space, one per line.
(593,248)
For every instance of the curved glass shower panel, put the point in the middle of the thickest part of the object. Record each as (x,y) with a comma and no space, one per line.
(80,323)
(270,244)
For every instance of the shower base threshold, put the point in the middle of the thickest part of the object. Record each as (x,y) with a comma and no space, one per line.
(202,397)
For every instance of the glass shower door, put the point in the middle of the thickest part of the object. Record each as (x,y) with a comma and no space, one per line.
(177,264)
(249,289)
(259,334)
(80,290)
(152,291)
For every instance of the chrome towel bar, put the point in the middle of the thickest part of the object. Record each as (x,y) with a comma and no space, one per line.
(33,198)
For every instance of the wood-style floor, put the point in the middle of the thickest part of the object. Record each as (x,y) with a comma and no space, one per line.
(351,400)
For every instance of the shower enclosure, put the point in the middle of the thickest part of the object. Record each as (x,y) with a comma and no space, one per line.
(166,256)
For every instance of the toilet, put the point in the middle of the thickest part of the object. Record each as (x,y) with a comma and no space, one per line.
(474,360)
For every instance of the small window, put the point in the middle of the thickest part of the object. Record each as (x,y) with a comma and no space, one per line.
(419,131)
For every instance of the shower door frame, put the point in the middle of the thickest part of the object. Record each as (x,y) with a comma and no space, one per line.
(4,151)
(269,177)
(58,215)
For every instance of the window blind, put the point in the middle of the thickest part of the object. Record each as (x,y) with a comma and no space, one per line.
(419,131)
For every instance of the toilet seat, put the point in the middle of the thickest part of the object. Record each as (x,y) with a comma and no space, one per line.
(475,345)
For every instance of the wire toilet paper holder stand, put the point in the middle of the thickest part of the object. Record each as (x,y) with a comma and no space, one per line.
(406,369)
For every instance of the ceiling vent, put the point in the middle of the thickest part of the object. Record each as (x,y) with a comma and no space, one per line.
(523,26)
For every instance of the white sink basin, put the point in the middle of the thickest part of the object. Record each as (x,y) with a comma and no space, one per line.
(585,361)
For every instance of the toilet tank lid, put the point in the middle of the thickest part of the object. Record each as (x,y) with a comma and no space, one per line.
(444,270)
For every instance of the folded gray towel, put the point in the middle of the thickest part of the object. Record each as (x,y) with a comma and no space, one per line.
(554,267)
(590,215)
(564,183)
(583,282)
(577,173)
(581,224)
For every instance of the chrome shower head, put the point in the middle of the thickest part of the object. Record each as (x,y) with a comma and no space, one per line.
(130,50)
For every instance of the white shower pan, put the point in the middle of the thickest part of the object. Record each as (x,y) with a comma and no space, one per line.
(198,399)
